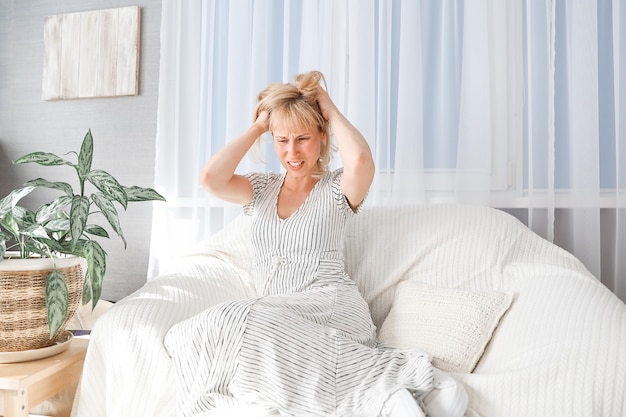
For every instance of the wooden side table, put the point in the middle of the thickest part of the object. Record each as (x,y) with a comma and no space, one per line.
(23,385)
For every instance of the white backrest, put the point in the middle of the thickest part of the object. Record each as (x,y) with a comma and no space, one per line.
(457,246)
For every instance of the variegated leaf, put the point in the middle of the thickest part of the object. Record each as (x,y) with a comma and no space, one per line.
(96,265)
(86,155)
(56,300)
(63,186)
(44,245)
(58,225)
(110,213)
(42,158)
(36,231)
(78,217)
(77,248)
(96,230)
(8,202)
(50,211)
(109,186)
(34,247)
(87,288)
(24,216)
(135,193)
(9,223)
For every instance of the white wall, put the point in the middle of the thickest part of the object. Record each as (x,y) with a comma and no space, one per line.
(124,128)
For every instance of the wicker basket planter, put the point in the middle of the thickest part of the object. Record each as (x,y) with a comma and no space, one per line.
(23,316)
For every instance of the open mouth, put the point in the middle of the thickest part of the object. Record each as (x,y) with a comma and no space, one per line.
(295,164)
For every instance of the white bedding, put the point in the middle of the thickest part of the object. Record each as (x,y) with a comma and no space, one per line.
(559,351)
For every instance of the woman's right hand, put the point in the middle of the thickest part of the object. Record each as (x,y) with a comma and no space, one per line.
(263,121)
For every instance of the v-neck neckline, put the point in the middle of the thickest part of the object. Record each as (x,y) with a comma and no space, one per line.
(306,199)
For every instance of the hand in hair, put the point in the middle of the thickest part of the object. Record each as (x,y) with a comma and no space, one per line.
(313,84)
(263,120)
(327,106)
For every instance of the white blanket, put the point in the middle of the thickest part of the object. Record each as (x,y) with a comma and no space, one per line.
(559,351)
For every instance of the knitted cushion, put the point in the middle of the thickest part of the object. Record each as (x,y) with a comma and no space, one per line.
(454,326)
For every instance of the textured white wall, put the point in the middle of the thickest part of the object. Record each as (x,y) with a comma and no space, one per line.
(124,128)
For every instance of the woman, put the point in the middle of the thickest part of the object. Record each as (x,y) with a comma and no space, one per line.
(306,346)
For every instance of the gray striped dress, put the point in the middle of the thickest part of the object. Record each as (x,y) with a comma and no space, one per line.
(306,346)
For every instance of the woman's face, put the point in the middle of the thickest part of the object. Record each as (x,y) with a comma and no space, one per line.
(299,149)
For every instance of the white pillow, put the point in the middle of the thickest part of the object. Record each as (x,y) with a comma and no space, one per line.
(454,326)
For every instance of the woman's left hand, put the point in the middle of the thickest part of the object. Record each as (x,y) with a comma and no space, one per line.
(327,106)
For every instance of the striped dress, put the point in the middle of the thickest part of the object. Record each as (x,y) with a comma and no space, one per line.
(306,346)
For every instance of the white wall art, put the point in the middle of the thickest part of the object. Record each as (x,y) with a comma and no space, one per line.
(92,54)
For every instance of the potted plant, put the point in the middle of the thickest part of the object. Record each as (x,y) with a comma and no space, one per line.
(63,227)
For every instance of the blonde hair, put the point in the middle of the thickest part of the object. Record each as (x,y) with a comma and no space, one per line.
(294,106)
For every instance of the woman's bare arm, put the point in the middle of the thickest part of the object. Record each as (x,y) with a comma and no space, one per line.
(218,175)
(356,156)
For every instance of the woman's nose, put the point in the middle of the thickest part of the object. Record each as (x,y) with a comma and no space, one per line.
(291,148)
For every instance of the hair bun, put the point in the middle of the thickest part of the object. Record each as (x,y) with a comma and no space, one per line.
(308,82)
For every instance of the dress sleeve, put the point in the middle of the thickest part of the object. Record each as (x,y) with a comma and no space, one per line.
(339,197)
(259,181)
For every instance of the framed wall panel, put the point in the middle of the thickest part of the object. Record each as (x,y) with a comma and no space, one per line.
(92,54)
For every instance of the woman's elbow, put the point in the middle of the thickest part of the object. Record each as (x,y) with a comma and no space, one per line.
(364,164)
(209,181)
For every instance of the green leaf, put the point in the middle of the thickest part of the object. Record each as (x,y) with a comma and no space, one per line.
(58,225)
(56,301)
(8,202)
(63,186)
(43,246)
(36,231)
(96,268)
(9,223)
(109,186)
(96,230)
(77,248)
(135,193)
(3,246)
(86,155)
(24,216)
(108,210)
(50,211)
(78,217)
(33,247)
(42,158)
(87,288)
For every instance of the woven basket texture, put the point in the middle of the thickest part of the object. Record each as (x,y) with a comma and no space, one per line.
(23,314)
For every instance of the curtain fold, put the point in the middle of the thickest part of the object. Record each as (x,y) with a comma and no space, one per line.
(582,138)
(407,185)
(515,105)
(475,139)
(539,118)
(615,277)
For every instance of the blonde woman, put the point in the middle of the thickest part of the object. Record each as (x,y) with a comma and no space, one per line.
(306,346)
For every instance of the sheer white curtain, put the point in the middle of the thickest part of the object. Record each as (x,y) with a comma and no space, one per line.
(485,102)
(616,278)
(574,157)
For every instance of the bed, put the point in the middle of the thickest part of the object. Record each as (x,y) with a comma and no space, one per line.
(518,321)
